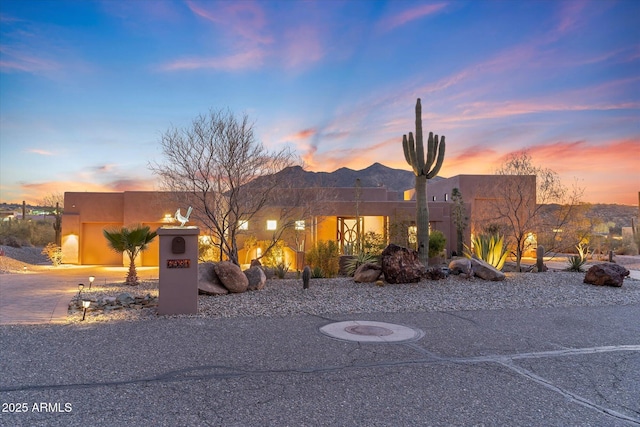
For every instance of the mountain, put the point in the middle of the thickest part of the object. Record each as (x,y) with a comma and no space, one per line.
(376,175)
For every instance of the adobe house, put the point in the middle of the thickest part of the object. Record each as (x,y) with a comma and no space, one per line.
(344,218)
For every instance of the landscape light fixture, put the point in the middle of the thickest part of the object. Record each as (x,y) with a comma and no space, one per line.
(85,305)
(80,288)
(24,268)
(91,279)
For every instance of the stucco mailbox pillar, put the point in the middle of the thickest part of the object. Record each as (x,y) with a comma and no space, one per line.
(178,284)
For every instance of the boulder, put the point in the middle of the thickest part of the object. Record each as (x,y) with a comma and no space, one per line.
(125,299)
(435,273)
(256,278)
(606,274)
(231,276)
(401,265)
(367,273)
(208,281)
(460,266)
(486,271)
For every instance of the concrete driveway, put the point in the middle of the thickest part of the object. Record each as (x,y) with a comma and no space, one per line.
(42,294)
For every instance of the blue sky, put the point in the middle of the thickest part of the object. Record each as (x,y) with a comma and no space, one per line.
(87,88)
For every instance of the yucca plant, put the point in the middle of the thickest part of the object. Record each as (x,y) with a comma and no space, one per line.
(490,249)
(576,262)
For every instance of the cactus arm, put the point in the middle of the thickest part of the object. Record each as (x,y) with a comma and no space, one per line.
(431,151)
(409,148)
(405,149)
(441,148)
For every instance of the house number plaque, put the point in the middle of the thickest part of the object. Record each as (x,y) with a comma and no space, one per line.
(178,263)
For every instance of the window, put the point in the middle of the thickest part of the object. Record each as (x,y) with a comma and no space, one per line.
(272,224)
(446,197)
(433,198)
(243,224)
(300,225)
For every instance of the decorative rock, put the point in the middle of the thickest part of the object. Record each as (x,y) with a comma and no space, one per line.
(367,273)
(256,278)
(401,265)
(486,271)
(435,273)
(460,266)
(208,281)
(607,274)
(231,276)
(125,299)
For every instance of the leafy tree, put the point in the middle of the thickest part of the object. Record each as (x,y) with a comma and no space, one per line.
(229,178)
(132,242)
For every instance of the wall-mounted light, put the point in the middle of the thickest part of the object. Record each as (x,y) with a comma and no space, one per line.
(85,305)
(91,279)
(80,288)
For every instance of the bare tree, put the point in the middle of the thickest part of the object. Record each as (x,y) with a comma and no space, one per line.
(215,164)
(55,203)
(521,201)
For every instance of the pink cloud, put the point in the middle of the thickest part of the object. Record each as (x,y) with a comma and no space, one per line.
(18,61)
(406,16)
(238,61)
(303,134)
(41,152)
(303,47)
(245,19)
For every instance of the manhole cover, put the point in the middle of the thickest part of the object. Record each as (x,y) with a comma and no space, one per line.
(368,331)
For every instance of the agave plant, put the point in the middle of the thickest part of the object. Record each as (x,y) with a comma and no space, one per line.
(576,262)
(490,249)
(352,264)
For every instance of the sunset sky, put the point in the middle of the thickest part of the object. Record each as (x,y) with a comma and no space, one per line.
(87,88)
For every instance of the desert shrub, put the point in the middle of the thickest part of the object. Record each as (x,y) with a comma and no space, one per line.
(26,233)
(317,273)
(489,248)
(577,261)
(352,264)
(437,243)
(325,256)
(274,256)
(208,251)
(627,246)
(281,269)
(374,243)
(54,253)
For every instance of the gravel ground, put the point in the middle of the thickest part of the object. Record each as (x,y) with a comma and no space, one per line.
(284,297)
(343,296)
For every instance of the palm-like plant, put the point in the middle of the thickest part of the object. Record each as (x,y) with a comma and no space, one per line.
(132,242)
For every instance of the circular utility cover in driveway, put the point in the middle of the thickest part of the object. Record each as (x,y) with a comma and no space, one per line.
(367,331)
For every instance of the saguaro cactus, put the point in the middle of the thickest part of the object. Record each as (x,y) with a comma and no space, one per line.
(423,169)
